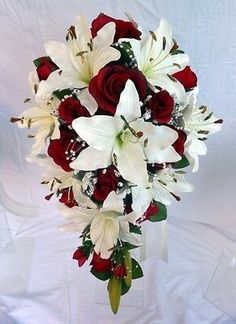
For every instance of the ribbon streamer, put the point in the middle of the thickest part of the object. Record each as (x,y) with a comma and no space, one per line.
(16,207)
(154,233)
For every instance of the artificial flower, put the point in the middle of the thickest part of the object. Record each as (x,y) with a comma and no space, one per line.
(66,148)
(106,224)
(186,77)
(116,139)
(80,256)
(107,181)
(45,68)
(199,123)
(71,108)
(161,105)
(124,29)
(165,186)
(108,84)
(157,61)
(83,56)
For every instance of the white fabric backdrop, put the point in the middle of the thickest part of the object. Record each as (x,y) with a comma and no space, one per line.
(200,227)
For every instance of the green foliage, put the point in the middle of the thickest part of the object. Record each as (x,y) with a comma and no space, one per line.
(137,271)
(124,288)
(161,214)
(105,275)
(134,229)
(60,94)
(128,246)
(183,163)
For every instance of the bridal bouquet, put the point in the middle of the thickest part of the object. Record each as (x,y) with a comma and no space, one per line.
(115,122)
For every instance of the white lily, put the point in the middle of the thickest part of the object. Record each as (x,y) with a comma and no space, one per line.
(157,63)
(57,179)
(46,123)
(115,139)
(82,57)
(199,123)
(106,224)
(44,116)
(166,184)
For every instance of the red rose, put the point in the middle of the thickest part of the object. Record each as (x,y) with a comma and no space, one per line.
(99,264)
(80,256)
(179,143)
(108,84)
(124,29)
(67,198)
(65,149)
(187,77)
(107,181)
(161,106)
(70,109)
(119,271)
(45,68)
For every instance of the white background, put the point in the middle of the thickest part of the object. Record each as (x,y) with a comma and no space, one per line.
(201,226)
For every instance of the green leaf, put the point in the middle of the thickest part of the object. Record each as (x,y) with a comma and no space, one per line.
(134,229)
(161,214)
(101,275)
(129,246)
(127,54)
(137,271)
(124,288)
(183,163)
(118,256)
(60,94)
(88,247)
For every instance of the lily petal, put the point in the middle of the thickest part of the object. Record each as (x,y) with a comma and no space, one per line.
(91,159)
(105,36)
(59,54)
(129,105)
(160,139)
(104,232)
(113,202)
(141,199)
(131,163)
(98,131)
(78,217)
(87,100)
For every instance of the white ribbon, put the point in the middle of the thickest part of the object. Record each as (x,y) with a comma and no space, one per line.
(16,207)
(154,240)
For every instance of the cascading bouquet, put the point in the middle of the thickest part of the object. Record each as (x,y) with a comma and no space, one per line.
(115,123)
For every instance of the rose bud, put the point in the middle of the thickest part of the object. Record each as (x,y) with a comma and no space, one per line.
(70,109)
(161,106)
(124,29)
(80,256)
(119,271)
(99,264)
(152,210)
(186,77)
(107,181)
(45,68)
